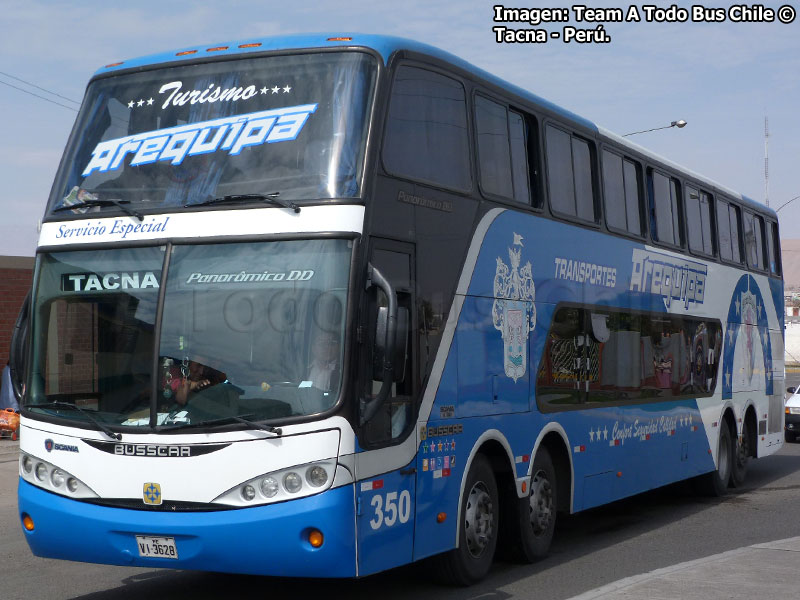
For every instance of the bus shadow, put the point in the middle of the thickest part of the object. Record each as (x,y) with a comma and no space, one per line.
(593,531)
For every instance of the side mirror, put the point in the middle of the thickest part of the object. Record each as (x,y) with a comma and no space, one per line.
(791,390)
(388,333)
(19,349)
(398,353)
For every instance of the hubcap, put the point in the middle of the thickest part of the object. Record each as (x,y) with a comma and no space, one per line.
(478,519)
(541,503)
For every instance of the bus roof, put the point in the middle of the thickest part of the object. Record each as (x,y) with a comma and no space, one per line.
(385,46)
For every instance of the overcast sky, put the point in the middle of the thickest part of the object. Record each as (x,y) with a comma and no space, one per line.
(723,78)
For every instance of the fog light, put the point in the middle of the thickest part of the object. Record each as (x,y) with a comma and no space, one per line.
(72,484)
(27,463)
(315,538)
(41,471)
(292,482)
(27,522)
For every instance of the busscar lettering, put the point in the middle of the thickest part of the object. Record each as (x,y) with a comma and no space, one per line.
(152,450)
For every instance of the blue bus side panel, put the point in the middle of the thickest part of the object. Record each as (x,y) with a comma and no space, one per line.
(386,521)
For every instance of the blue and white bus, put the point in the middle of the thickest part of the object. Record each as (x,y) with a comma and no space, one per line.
(320,307)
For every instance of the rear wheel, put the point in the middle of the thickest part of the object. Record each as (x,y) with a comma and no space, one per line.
(531,521)
(716,482)
(741,457)
(477,539)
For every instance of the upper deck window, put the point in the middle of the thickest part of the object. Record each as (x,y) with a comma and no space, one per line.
(699,221)
(426,129)
(293,125)
(570,175)
(622,187)
(665,206)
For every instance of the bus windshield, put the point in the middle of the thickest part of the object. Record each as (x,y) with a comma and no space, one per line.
(292,125)
(248,330)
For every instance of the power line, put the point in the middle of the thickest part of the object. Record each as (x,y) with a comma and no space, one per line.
(38,96)
(40,88)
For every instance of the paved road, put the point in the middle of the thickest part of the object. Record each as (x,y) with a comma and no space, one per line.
(651,531)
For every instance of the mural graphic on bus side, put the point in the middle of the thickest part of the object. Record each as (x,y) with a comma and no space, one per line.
(513,311)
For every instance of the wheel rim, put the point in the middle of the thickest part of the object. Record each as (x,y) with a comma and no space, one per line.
(541,503)
(478,519)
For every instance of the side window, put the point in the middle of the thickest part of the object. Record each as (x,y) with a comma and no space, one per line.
(665,209)
(502,150)
(621,184)
(597,356)
(724,228)
(735,217)
(570,175)
(774,248)
(426,130)
(754,240)
(698,221)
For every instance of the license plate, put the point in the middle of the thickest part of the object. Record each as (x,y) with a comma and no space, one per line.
(156,547)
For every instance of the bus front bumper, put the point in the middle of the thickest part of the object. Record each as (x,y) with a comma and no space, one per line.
(263,540)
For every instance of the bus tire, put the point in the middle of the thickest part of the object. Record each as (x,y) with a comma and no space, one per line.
(477,538)
(741,457)
(530,525)
(716,482)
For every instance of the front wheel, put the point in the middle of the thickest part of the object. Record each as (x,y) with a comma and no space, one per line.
(477,538)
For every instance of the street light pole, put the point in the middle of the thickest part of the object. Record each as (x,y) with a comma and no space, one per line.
(787,202)
(679,124)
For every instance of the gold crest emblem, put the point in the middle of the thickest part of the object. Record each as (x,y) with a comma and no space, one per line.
(151,493)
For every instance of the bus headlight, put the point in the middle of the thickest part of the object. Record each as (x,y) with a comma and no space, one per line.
(292,482)
(51,478)
(278,486)
(316,476)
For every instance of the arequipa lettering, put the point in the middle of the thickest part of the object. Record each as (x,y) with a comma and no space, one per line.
(670,277)
(176,143)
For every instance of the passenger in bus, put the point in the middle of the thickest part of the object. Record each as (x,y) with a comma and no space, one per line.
(323,372)
(200,377)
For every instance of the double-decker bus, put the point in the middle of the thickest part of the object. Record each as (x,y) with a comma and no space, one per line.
(320,307)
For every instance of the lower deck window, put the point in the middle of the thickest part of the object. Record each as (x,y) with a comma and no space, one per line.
(601,357)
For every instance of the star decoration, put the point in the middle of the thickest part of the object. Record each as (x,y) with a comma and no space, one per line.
(591,435)
(140,103)
(738,306)
(605,433)
(286,90)
(130,104)
(727,378)
(264,90)
(275,90)
(150,102)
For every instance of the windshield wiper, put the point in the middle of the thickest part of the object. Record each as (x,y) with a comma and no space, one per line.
(277,431)
(120,204)
(271,198)
(86,413)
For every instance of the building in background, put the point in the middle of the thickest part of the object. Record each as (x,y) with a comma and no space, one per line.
(16,273)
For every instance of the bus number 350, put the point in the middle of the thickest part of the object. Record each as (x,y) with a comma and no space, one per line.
(392,511)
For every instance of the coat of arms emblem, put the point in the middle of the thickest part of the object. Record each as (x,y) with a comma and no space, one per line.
(513,311)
